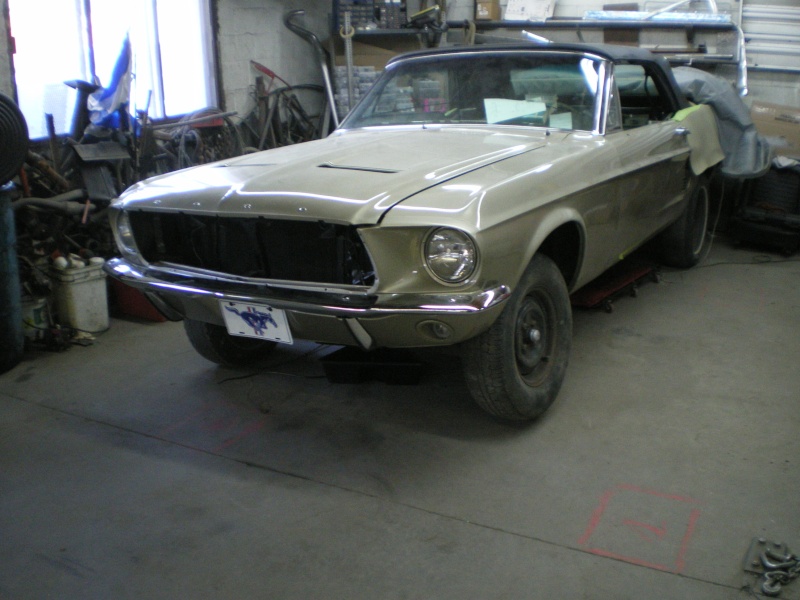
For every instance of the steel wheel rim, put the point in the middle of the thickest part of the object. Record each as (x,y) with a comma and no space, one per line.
(534,338)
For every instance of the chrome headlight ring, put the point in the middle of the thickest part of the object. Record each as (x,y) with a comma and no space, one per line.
(450,254)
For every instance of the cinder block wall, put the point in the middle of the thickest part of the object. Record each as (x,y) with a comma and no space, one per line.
(254,30)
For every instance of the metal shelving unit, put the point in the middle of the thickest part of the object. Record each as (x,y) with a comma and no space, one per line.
(698,43)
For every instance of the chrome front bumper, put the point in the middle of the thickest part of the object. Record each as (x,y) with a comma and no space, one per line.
(181,293)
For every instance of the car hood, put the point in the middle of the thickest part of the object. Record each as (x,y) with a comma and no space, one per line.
(349,177)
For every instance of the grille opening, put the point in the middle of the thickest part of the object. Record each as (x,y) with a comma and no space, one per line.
(307,251)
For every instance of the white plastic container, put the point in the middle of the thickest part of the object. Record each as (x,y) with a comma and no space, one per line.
(34,317)
(81,299)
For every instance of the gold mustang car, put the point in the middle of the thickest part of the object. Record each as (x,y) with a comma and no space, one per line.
(459,203)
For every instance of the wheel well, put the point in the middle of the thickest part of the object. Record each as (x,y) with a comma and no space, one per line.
(564,247)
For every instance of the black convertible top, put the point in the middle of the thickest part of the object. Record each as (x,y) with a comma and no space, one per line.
(608,51)
(615,54)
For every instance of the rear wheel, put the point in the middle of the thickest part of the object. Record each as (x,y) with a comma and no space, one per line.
(514,370)
(681,244)
(217,345)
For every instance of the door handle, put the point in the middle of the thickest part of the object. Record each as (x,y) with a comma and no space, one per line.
(681,132)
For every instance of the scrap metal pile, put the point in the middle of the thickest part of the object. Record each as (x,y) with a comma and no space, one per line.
(64,185)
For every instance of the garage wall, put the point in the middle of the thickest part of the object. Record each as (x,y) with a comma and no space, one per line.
(254,30)
(772,28)
(773,51)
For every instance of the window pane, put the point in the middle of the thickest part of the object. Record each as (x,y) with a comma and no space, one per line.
(186,60)
(53,50)
(109,31)
(49,51)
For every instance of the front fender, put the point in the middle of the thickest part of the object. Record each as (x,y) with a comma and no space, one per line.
(512,207)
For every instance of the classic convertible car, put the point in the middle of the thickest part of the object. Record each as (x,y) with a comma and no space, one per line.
(458,204)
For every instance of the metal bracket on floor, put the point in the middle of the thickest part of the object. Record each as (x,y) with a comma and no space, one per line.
(774,562)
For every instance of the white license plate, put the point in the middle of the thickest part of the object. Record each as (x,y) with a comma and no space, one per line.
(256,320)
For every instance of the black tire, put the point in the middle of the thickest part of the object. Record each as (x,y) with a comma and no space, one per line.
(681,244)
(514,370)
(14,133)
(214,343)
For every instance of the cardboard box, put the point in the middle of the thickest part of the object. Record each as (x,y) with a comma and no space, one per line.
(625,36)
(487,10)
(374,55)
(781,124)
(529,10)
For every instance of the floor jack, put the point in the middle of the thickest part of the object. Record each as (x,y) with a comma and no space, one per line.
(622,279)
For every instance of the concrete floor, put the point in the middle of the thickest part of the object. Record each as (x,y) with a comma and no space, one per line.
(133,468)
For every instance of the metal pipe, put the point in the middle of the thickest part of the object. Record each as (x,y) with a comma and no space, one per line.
(321,57)
(347,34)
(741,84)
(195,121)
(63,207)
(600,24)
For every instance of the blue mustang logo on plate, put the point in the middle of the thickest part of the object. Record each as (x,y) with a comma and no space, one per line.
(257,320)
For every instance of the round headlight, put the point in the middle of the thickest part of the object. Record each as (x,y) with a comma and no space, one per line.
(124,235)
(450,255)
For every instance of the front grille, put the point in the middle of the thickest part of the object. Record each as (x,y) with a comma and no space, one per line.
(313,252)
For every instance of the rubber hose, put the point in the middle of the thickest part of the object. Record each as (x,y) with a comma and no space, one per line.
(13,139)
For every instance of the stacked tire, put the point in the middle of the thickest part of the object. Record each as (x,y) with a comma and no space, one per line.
(13,150)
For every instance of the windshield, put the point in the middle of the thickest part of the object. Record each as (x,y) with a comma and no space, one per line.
(539,89)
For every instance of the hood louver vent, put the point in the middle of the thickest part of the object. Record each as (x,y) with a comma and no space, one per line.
(328,165)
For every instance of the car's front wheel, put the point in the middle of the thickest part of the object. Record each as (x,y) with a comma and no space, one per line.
(514,370)
(217,345)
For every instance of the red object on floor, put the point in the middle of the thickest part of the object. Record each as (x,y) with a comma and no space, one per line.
(133,303)
(620,279)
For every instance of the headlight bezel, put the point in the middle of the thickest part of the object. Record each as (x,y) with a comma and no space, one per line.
(458,245)
(124,238)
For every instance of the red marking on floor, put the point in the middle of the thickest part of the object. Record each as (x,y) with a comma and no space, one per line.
(204,420)
(596,516)
(246,432)
(186,420)
(681,560)
(661,540)
(658,533)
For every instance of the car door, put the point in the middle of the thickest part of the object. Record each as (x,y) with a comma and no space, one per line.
(653,153)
